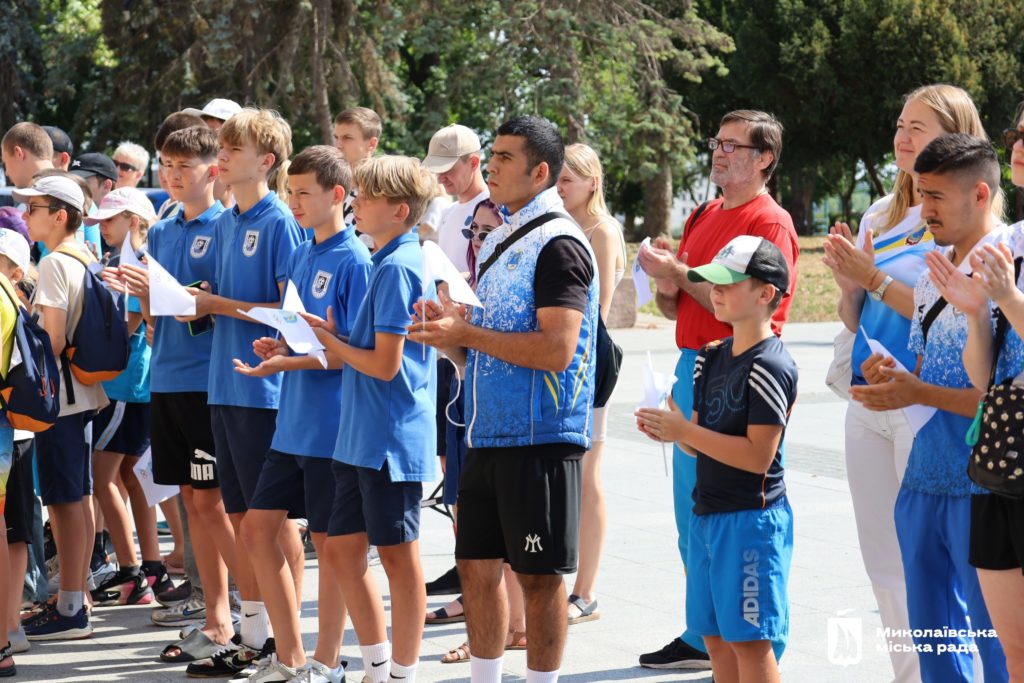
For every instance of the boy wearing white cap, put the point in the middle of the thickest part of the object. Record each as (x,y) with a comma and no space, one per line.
(53,212)
(216,112)
(741,534)
(121,430)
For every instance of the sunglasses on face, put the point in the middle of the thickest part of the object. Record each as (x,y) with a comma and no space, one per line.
(127,168)
(476,231)
(1011,136)
(728,147)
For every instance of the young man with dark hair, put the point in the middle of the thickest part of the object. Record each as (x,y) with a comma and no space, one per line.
(53,213)
(744,154)
(26,149)
(63,148)
(357,133)
(527,357)
(958,178)
(330,274)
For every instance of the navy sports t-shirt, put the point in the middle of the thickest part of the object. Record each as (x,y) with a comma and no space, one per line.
(757,387)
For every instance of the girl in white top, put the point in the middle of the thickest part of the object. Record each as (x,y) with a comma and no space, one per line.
(580,185)
(876,277)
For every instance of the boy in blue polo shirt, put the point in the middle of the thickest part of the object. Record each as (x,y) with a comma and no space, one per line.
(182,437)
(741,539)
(255,242)
(331,275)
(386,430)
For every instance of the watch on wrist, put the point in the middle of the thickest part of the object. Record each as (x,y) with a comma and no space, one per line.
(877,294)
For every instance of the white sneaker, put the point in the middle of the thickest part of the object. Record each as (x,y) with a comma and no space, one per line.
(190,612)
(270,670)
(315,672)
(103,572)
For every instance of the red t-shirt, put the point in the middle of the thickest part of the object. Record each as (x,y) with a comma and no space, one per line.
(761,216)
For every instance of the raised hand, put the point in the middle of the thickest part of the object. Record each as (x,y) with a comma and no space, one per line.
(993,270)
(851,267)
(966,294)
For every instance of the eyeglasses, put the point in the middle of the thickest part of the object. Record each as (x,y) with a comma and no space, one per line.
(476,231)
(1011,136)
(30,208)
(127,168)
(728,147)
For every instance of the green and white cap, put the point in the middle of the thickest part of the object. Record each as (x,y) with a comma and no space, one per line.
(742,258)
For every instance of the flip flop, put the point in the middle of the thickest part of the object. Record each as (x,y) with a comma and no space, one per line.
(193,647)
(588,612)
(516,640)
(441,615)
(459,654)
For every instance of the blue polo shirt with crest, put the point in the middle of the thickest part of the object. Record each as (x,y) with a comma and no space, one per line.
(253,252)
(187,249)
(332,273)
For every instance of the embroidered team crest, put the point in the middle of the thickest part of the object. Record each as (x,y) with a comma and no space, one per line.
(320,283)
(513,260)
(199,246)
(252,241)
(915,238)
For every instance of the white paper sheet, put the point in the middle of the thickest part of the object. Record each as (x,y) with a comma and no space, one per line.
(128,257)
(917,415)
(657,389)
(292,301)
(640,279)
(437,266)
(155,493)
(166,295)
(297,333)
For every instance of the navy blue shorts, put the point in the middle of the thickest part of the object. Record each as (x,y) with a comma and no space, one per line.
(65,465)
(455,440)
(302,485)
(122,427)
(242,439)
(366,500)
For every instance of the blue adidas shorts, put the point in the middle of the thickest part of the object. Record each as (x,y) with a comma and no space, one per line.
(738,562)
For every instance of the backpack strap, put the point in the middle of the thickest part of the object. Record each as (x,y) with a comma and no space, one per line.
(519,234)
(930,317)
(694,217)
(65,362)
(75,254)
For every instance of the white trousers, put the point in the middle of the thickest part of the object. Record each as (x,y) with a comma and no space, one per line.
(877,448)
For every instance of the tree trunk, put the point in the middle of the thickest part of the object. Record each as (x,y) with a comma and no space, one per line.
(799,201)
(876,183)
(658,202)
(321,20)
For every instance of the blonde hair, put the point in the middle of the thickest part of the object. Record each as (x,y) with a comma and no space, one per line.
(583,161)
(262,128)
(400,180)
(957,113)
(277,181)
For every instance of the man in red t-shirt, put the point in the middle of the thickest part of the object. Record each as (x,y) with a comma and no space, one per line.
(743,156)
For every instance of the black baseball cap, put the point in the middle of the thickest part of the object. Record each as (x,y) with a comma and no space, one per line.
(94,163)
(61,140)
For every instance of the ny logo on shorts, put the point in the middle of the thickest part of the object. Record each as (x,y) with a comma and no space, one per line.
(252,240)
(533,544)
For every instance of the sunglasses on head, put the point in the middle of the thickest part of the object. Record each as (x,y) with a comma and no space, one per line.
(1011,136)
(126,167)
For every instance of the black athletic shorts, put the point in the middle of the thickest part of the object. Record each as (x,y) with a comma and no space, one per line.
(182,440)
(521,505)
(20,493)
(997,532)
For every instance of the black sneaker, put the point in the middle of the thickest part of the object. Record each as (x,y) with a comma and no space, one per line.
(676,655)
(227,661)
(268,650)
(172,596)
(156,575)
(446,584)
(307,545)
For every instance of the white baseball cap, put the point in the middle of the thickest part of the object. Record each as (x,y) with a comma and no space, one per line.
(14,246)
(59,187)
(218,108)
(448,145)
(120,200)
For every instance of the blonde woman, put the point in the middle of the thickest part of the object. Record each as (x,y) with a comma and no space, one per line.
(876,277)
(580,185)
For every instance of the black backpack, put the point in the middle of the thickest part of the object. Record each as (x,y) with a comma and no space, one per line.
(30,393)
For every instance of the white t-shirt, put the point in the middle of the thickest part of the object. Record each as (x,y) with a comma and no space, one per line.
(449,233)
(435,210)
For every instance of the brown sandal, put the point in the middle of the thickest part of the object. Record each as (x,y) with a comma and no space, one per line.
(516,640)
(459,654)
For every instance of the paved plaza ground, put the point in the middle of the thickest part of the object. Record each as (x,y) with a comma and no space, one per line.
(834,622)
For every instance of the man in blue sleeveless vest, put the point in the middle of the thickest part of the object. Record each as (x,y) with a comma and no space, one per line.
(530,382)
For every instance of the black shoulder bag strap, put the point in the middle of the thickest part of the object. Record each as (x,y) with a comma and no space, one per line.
(1001,326)
(692,223)
(519,234)
(930,317)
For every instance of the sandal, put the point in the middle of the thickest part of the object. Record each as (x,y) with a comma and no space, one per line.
(193,647)
(588,612)
(516,640)
(5,654)
(459,654)
(441,615)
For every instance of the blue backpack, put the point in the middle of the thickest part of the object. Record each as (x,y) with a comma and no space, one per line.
(30,391)
(98,351)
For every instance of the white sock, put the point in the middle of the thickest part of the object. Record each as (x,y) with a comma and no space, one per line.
(69,602)
(255,624)
(377,661)
(484,670)
(541,676)
(402,673)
